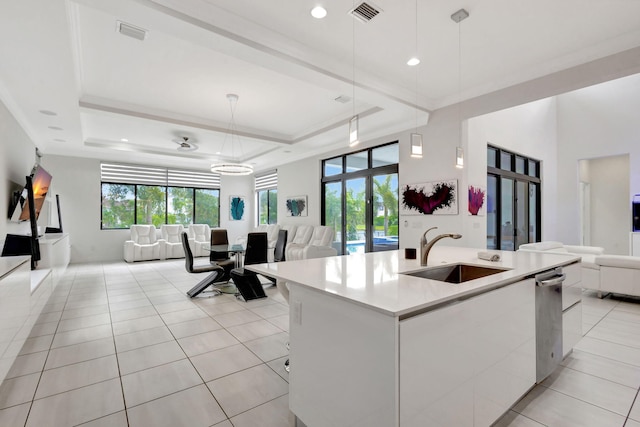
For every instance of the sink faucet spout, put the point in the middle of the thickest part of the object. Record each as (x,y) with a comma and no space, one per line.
(425,245)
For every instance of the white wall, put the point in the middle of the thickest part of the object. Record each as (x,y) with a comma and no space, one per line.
(594,122)
(17,157)
(301,178)
(77,181)
(529,129)
(237,186)
(609,207)
(80,206)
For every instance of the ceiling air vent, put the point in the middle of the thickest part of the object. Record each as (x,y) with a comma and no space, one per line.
(131,30)
(343,99)
(365,12)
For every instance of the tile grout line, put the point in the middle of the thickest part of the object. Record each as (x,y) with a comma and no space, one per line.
(189,359)
(113,337)
(635,399)
(33,399)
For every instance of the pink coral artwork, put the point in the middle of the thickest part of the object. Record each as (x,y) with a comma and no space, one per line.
(477,197)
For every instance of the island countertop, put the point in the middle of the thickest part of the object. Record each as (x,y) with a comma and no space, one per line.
(375,279)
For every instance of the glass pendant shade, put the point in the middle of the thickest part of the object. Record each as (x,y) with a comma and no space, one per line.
(353,131)
(459,158)
(416,145)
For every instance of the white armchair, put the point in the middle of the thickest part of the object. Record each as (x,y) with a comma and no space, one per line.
(144,244)
(171,243)
(199,236)
(311,242)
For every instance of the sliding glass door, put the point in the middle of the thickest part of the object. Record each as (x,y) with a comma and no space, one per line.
(360,199)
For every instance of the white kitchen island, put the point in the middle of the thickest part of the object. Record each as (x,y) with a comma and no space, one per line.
(371,346)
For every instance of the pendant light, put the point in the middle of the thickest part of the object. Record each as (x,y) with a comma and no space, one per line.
(232,168)
(458,17)
(353,123)
(416,138)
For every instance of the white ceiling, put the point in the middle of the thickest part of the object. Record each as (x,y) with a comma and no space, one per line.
(287,68)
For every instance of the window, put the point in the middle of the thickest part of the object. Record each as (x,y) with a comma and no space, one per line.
(360,199)
(267,197)
(513,199)
(153,195)
(118,205)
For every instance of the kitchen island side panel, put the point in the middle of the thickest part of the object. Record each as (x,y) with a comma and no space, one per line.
(344,363)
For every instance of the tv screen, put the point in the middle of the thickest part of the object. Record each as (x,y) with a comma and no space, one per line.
(41,181)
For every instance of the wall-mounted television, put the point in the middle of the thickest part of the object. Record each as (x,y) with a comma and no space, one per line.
(41,180)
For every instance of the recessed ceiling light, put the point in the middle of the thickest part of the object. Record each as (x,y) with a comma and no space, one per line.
(413,62)
(318,12)
(55,128)
(48,113)
(124,140)
(60,140)
(286,151)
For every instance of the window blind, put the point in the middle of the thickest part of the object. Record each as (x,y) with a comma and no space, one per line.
(267,181)
(148,175)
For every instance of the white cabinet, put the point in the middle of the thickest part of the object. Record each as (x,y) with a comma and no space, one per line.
(55,253)
(634,243)
(468,362)
(571,307)
(15,308)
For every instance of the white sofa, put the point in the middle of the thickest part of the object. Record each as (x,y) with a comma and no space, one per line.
(171,242)
(311,242)
(618,274)
(199,236)
(144,244)
(588,254)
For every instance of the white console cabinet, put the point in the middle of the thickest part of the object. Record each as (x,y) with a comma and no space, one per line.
(55,254)
(15,308)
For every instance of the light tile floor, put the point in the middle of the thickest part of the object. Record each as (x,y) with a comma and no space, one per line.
(121,345)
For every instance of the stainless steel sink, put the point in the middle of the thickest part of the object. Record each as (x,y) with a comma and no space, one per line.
(456,273)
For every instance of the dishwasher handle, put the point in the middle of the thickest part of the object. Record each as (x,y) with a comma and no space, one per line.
(552,282)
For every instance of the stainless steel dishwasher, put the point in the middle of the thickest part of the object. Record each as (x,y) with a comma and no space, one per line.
(548,322)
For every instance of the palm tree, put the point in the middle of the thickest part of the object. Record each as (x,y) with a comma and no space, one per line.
(389,196)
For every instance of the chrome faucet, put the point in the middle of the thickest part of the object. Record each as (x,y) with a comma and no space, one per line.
(425,246)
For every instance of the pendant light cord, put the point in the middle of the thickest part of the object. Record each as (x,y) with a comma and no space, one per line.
(460,84)
(417,56)
(353,57)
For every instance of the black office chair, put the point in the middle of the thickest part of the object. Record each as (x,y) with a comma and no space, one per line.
(216,271)
(247,281)
(219,237)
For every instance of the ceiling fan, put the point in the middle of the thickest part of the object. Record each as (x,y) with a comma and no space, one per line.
(184,144)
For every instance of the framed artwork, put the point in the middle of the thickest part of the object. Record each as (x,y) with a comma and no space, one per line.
(297,206)
(236,208)
(430,198)
(477,199)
